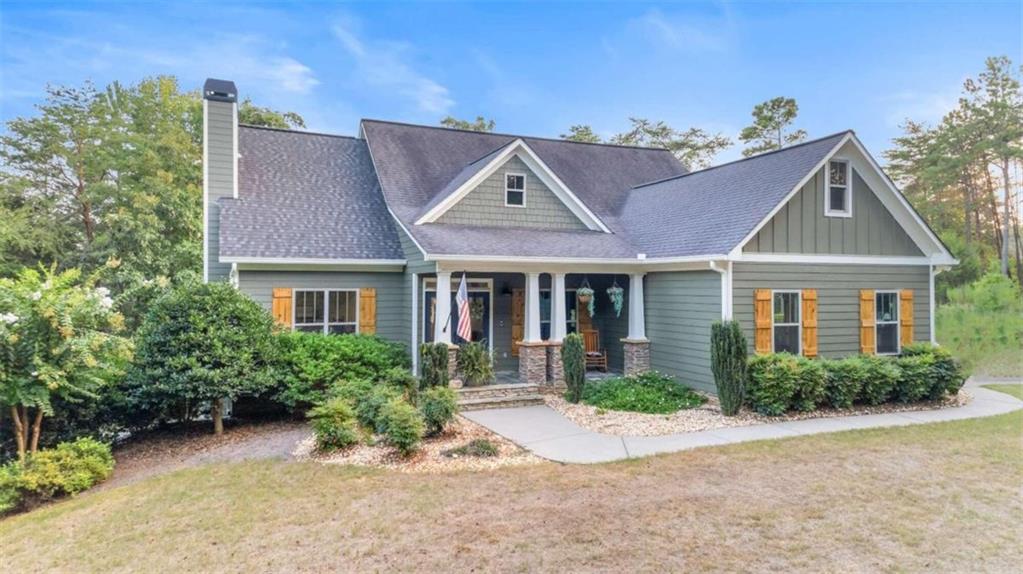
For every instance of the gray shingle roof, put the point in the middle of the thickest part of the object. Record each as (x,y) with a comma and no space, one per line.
(304,195)
(463,176)
(452,239)
(709,212)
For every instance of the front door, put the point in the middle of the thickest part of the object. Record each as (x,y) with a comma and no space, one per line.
(479,317)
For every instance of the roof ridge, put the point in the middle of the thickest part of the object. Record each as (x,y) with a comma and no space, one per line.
(740,160)
(519,136)
(299,132)
(498,148)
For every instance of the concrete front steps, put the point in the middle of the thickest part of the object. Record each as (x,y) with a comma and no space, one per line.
(499,396)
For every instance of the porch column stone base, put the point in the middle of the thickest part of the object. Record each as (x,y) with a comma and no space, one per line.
(533,363)
(637,355)
(453,364)
(555,368)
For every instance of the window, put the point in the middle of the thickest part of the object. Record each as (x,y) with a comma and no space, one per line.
(886,307)
(326,311)
(838,195)
(786,322)
(545,313)
(515,189)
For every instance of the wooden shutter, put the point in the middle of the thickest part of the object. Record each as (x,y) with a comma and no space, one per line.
(368,311)
(906,316)
(280,307)
(583,321)
(762,320)
(518,319)
(810,322)
(868,345)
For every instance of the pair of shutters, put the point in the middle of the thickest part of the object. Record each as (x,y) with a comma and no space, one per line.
(280,308)
(763,308)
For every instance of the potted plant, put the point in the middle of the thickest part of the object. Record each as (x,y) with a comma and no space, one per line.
(585,295)
(617,295)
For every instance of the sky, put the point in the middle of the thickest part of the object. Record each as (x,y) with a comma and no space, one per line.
(535,68)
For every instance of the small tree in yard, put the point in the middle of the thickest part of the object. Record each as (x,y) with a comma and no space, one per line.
(202,343)
(728,361)
(435,364)
(57,341)
(573,358)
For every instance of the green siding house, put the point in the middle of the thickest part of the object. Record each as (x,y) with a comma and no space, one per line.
(811,248)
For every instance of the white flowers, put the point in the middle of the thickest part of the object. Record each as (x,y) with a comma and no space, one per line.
(102,291)
(9,318)
(106,302)
(36,296)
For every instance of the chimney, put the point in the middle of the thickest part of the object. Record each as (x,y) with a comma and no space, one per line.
(219,168)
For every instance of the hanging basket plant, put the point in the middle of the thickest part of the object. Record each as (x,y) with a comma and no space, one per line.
(585,295)
(617,296)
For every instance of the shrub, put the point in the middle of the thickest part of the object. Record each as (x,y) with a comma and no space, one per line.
(880,375)
(573,360)
(403,380)
(947,375)
(479,447)
(811,385)
(475,365)
(353,391)
(434,364)
(649,392)
(915,377)
(728,361)
(10,496)
(67,469)
(369,408)
(772,383)
(311,362)
(334,424)
(845,378)
(403,426)
(438,405)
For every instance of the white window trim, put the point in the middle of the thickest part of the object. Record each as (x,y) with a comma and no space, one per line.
(828,212)
(507,189)
(326,314)
(473,285)
(567,320)
(799,318)
(897,322)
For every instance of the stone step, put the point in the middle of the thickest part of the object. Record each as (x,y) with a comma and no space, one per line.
(523,400)
(495,391)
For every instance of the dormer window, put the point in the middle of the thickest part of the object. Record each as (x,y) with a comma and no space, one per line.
(838,195)
(515,189)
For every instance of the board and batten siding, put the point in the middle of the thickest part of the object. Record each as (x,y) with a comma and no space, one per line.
(219,179)
(680,308)
(415,263)
(801,226)
(391,320)
(838,297)
(485,205)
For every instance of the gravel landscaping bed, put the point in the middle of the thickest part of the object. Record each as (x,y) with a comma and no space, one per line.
(708,416)
(430,457)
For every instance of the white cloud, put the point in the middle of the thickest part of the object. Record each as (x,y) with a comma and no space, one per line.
(678,32)
(383,64)
(918,106)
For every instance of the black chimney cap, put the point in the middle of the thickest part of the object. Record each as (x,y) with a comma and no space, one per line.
(220,90)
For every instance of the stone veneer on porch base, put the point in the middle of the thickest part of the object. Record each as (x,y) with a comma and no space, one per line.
(555,368)
(637,355)
(533,363)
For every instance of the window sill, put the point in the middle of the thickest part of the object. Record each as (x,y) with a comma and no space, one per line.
(843,214)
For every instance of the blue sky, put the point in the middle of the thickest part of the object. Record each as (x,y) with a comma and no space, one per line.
(535,68)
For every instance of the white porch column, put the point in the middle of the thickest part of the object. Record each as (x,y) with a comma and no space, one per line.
(558,325)
(441,323)
(637,319)
(532,334)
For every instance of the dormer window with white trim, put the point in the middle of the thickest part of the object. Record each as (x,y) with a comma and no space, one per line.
(515,189)
(838,194)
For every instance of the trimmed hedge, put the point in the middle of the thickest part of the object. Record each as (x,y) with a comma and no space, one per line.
(65,470)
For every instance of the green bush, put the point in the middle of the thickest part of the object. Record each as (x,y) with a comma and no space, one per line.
(402,379)
(811,386)
(880,375)
(438,405)
(334,424)
(475,365)
(772,383)
(573,360)
(947,374)
(915,377)
(353,391)
(649,392)
(311,362)
(845,379)
(402,426)
(728,362)
(67,469)
(369,407)
(10,496)
(434,364)
(479,447)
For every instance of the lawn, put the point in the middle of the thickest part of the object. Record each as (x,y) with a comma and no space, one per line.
(939,497)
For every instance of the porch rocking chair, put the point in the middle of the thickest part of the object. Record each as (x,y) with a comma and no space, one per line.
(596,357)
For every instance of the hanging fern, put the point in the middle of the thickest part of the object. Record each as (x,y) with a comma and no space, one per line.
(617,295)
(585,295)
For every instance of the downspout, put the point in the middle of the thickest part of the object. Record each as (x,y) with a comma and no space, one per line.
(726,287)
(934,270)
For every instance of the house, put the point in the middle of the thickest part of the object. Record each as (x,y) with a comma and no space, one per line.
(811,248)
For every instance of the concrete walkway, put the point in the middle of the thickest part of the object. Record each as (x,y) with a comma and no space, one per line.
(546,433)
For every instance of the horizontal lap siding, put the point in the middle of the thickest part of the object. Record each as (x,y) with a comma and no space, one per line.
(392,322)
(838,291)
(680,308)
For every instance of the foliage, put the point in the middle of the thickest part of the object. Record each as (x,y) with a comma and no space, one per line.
(369,407)
(474,364)
(946,372)
(914,380)
(311,362)
(728,362)
(649,392)
(585,292)
(771,120)
(694,147)
(573,360)
(434,364)
(335,424)
(57,342)
(772,383)
(845,380)
(438,406)
(403,427)
(477,447)
(581,133)
(67,469)
(617,296)
(201,343)
(10,496)
(480,124)
(401,378)
(351,390)
(811,387)
(879,379)
(983,325)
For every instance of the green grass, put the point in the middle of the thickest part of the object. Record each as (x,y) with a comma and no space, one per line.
(650,392)
(1014,390)
(989,343)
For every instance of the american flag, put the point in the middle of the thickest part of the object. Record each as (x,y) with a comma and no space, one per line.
(464,321)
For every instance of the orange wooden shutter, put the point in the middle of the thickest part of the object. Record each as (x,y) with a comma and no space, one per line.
(368,311)
(868,345)
(583,321)
(280,307)
(518,319)
(906,316)
(810,322)
(762,320)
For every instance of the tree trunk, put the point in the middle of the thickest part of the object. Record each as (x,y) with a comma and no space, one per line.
(216,411)
(37,427)
(1005,219)
(19,432)
(993,204)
